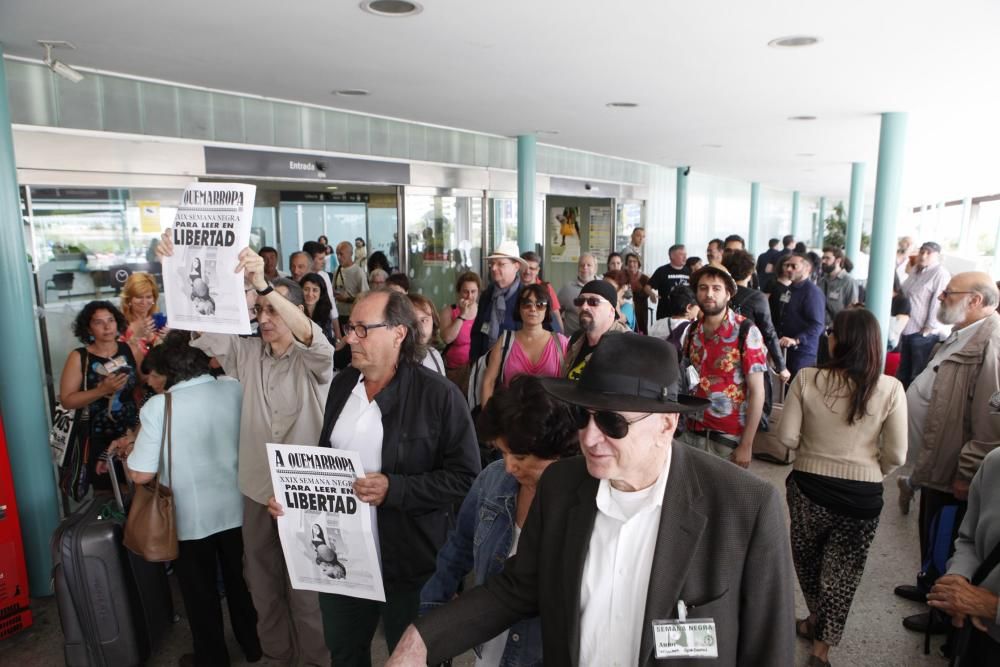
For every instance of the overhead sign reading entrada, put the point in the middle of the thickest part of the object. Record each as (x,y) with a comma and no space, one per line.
(267,164)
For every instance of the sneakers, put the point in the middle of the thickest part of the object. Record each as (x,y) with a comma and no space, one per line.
(905,494)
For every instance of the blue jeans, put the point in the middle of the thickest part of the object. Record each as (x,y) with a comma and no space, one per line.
(914,353)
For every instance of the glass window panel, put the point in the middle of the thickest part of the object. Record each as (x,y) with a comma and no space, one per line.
(258,119)
(399,139)
(287,125)
(312,129)
(122,112)
(382,226)
(379,133)
(79,103)
(227,118)
(30,94)
(335,128)
(443,236)
(196,113)
(159,110)
(357,134)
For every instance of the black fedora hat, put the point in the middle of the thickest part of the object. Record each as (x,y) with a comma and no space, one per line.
(628,373)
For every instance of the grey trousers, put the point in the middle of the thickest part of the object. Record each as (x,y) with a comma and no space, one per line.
(289,623)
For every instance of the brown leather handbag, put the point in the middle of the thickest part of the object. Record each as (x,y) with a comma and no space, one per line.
(150,529)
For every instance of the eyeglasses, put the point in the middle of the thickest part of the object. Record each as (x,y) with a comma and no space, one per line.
(947,293)
(592,301)
(610,423)
(269,309)
(538,305)
(361,330)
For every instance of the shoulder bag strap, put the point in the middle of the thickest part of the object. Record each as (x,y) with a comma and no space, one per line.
(84,363)
(559,350)
(987,566)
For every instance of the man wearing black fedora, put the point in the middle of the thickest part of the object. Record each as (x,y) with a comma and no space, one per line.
(634,541)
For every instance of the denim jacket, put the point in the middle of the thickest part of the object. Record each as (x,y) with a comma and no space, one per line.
(481,539)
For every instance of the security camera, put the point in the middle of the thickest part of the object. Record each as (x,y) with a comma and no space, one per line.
(588,186)
(59,67)
(687,171)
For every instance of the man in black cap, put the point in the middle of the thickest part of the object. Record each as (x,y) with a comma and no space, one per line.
(634,540)
(597,308)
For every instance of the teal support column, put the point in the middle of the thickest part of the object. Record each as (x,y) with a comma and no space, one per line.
(680,221)
(22,394)
(888,184)
(820,230)
(526,192)
(855,211)
(753,243)
(795,231)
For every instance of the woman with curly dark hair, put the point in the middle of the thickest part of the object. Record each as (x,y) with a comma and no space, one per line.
(532,430)
(98,381)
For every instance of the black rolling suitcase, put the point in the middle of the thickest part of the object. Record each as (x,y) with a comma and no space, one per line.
(113,605)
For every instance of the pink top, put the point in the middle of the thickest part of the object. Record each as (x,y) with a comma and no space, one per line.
(457,353)
(550,365)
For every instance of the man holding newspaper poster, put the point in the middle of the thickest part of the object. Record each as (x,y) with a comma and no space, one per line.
(326,532)
(285,375)
(414,436)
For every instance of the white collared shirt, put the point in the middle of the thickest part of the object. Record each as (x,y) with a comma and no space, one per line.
(616,573)
(359,429)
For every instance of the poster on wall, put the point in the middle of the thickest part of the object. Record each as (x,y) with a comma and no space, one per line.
(600,232)
(149,217)
(201,288)
(326,531)
(564,234)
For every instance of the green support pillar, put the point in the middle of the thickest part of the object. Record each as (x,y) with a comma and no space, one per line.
(526,192)
(753,243)
(22,394)
(888,183)
(795,216)
(680,222)
(818,233)
(855,211)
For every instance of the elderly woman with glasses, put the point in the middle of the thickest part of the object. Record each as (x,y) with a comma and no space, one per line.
(532,430)
(533,350)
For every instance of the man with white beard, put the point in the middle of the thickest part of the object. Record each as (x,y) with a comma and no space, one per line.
(950,427)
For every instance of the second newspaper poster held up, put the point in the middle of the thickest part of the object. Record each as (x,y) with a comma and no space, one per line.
(201,288)
(326,532)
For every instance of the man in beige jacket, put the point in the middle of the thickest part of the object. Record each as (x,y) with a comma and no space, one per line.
(950,427)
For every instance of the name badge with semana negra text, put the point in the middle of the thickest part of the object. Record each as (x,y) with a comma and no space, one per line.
(693,638)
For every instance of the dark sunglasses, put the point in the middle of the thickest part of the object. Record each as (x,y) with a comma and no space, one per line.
(592,301)
(610,423)
(539,305)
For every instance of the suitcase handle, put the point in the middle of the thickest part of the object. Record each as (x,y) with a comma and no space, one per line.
(114,482)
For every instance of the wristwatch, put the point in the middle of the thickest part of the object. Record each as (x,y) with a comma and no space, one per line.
(267,290)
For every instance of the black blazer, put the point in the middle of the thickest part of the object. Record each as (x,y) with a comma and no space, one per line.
(430,455)
(722,547)
(753,305)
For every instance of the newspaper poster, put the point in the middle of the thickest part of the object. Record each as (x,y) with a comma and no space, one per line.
(326,532)
(564,234)
(600,231)
(202,290)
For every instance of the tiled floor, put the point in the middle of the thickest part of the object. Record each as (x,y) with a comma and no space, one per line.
(873,637)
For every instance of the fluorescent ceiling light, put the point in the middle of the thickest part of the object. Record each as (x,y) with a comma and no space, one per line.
(60,68)
(352,92)
(622,105)
(802,118)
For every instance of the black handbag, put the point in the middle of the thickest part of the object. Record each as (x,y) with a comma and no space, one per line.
(74,478)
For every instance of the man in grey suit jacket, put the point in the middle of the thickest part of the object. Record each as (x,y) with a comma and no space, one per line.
(636,541)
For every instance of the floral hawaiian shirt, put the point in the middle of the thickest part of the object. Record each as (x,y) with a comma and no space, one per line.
(722,372)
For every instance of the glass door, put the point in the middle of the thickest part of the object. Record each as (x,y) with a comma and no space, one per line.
(444,230)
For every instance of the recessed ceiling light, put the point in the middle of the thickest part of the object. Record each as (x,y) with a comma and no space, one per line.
(806,154)
(793,41)
(352,92)
(548,132)
(622,105)
(711,145)
(392,8)
(802,118)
